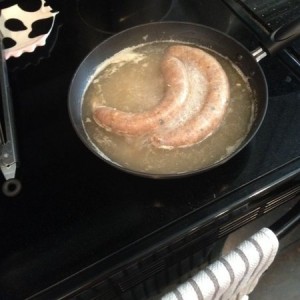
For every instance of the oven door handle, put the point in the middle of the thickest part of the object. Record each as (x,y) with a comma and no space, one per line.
(287,222)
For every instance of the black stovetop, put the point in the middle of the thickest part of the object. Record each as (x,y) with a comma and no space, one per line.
(74,209)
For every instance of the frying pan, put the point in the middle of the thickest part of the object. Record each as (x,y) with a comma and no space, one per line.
(196,34)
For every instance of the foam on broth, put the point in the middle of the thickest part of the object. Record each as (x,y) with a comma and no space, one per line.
(132,81)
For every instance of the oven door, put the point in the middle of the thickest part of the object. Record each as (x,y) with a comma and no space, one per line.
(149,266)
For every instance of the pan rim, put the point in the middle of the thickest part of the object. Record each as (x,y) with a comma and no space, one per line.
(86,140)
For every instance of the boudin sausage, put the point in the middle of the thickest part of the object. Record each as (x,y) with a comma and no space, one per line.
(209,116)
(193,107)
(126,123)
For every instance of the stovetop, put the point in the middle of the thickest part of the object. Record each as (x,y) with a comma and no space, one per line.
(75,209)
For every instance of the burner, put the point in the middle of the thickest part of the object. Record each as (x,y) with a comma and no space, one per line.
(114,16)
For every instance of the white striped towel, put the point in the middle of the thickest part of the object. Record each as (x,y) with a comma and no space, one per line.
(233,276)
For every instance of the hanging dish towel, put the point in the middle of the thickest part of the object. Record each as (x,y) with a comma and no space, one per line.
(233,276)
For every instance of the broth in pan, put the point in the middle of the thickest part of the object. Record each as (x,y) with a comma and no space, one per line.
(132,81)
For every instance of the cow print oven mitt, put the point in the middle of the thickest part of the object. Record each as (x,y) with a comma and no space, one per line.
(25,25)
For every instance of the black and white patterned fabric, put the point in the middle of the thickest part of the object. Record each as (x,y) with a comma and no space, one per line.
(233,276)
(25,25)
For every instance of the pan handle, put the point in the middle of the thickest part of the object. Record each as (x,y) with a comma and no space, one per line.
(271,43)
(282,37)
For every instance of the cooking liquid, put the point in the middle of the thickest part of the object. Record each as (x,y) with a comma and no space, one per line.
(132,81)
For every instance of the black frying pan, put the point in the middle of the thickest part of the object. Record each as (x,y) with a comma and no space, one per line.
(186,33)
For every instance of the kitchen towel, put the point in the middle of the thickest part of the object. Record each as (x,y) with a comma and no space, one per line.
(233,276)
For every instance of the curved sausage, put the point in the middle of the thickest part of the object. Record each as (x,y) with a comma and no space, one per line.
(209,116)
(127,123)
(197,92)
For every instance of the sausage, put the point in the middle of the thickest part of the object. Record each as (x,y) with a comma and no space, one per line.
(132,124)
(197,92)
(193,107)
(209,116)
